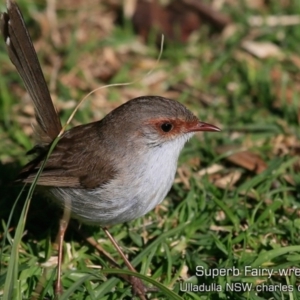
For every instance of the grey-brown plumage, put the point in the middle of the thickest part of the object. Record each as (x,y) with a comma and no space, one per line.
(83,156)
(106,172)
(110,171)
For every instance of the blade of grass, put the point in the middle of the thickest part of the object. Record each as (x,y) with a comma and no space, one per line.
(11,282)
(267,256)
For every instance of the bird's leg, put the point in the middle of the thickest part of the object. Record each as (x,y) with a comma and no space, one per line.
(114,242)
(63,224)
(93,242)
(137,285)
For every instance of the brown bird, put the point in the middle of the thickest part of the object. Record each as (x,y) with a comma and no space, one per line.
(106,172)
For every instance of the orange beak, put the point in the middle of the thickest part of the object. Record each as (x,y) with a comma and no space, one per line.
(202,126)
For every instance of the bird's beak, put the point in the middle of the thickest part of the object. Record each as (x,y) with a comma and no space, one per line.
(201,126)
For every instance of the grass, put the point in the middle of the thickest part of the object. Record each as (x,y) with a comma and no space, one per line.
(234,218)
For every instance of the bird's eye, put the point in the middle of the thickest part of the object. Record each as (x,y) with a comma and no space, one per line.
(166,127)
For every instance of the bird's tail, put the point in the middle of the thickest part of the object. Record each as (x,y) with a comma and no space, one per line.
(22,54)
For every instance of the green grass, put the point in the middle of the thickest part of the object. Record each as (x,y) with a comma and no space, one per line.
(254,222)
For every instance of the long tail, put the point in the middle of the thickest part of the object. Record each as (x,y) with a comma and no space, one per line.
(22,54)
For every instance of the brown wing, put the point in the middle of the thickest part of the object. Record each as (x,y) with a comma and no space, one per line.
(79,160)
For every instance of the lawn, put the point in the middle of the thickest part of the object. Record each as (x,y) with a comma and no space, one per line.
(229,228)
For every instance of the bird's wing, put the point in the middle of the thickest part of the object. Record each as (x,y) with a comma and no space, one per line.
(79,160)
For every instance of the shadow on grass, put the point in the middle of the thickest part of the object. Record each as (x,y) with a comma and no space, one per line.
(43,215)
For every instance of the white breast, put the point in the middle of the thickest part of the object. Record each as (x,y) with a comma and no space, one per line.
(145,185)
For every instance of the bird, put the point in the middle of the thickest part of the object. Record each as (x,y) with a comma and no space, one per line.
(106,172)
